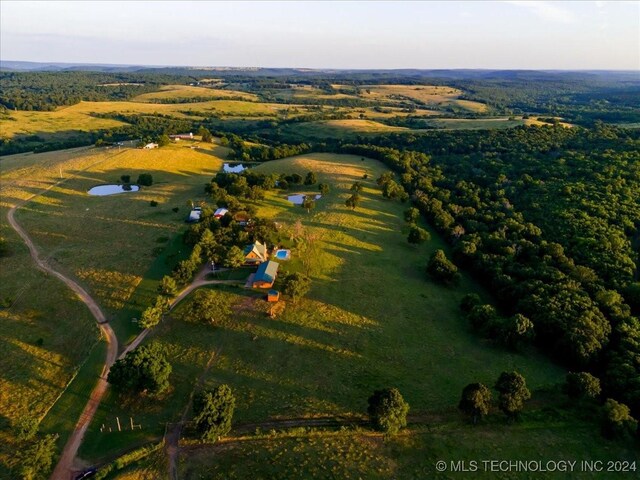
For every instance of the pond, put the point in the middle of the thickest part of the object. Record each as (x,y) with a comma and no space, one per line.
(298,198)
(234,167)
(102,190)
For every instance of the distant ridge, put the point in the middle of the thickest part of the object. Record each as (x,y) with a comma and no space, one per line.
(455,74)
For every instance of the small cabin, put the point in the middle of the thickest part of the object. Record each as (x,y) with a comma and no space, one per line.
(266,275)
(273,296)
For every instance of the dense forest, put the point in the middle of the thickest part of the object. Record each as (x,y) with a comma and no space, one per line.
(548,217)
(48,90)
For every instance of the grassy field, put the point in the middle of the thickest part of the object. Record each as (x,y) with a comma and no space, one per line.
(372,319)
(117,247)
(350,128)
(411,455)
(81,117)
(337,129)
(79,231)
(170,92)
(429,94)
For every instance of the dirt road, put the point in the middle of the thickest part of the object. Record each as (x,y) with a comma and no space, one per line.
(64,467)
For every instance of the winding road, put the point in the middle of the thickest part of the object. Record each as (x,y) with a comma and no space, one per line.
(65,464)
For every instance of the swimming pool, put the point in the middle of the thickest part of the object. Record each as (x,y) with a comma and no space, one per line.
(283,254)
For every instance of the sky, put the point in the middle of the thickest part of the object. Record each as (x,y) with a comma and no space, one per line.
(327,34)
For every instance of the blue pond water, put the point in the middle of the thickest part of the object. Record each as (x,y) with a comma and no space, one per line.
(298,198)
(102,190)
(234,168)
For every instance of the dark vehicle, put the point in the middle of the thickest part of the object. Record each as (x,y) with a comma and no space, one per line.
(88,473)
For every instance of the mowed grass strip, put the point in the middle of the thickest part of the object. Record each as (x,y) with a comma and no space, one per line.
(371,320)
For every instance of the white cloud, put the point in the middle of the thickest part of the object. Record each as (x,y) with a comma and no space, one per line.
(546,10)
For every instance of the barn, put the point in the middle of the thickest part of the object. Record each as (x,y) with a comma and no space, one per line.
(265,275)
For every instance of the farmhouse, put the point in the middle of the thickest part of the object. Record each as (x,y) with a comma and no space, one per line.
(255,254)
(266,275)
(220,212)
(149,146)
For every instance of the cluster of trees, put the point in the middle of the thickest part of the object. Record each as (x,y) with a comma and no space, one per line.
(390,188)
(354,200)
(476,400)
(34,452)
(547,217)
(260,153)
(514,332)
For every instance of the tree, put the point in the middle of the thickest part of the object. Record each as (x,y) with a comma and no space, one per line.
(388,410)
(417,235)
(207,306)
(36,460)
(168,286)
(296,178)
(441,269)
(125,178)
(324,188)
(308,203)
(513,391)
(469,301)
(356,187)
(411,215)
(516,331)
(205,134)
(582,385)
(482,317)
(393,190)
(145,179)
(163,140)
(234,257)
(475,401)
(386,177)
(632,296)
(213,412)
(296,285)
(183,271)
(310,179)
(617,421)
(353,201)
(143,370)
(25,428)
(153,314)
(4,247)
(150,317)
